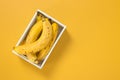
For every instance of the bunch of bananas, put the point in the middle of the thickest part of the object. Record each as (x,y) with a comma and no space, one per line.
(39,39)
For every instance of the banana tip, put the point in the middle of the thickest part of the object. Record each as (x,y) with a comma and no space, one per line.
(13,47)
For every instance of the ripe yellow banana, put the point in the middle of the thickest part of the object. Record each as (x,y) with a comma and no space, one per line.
(43,53)
(33,35)
(34,31)
(41,43)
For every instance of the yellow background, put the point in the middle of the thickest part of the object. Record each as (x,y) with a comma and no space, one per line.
(88,50)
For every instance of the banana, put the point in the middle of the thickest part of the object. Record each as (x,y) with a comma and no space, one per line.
(34,31)
(43,53)
(41,43)
(33,35)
